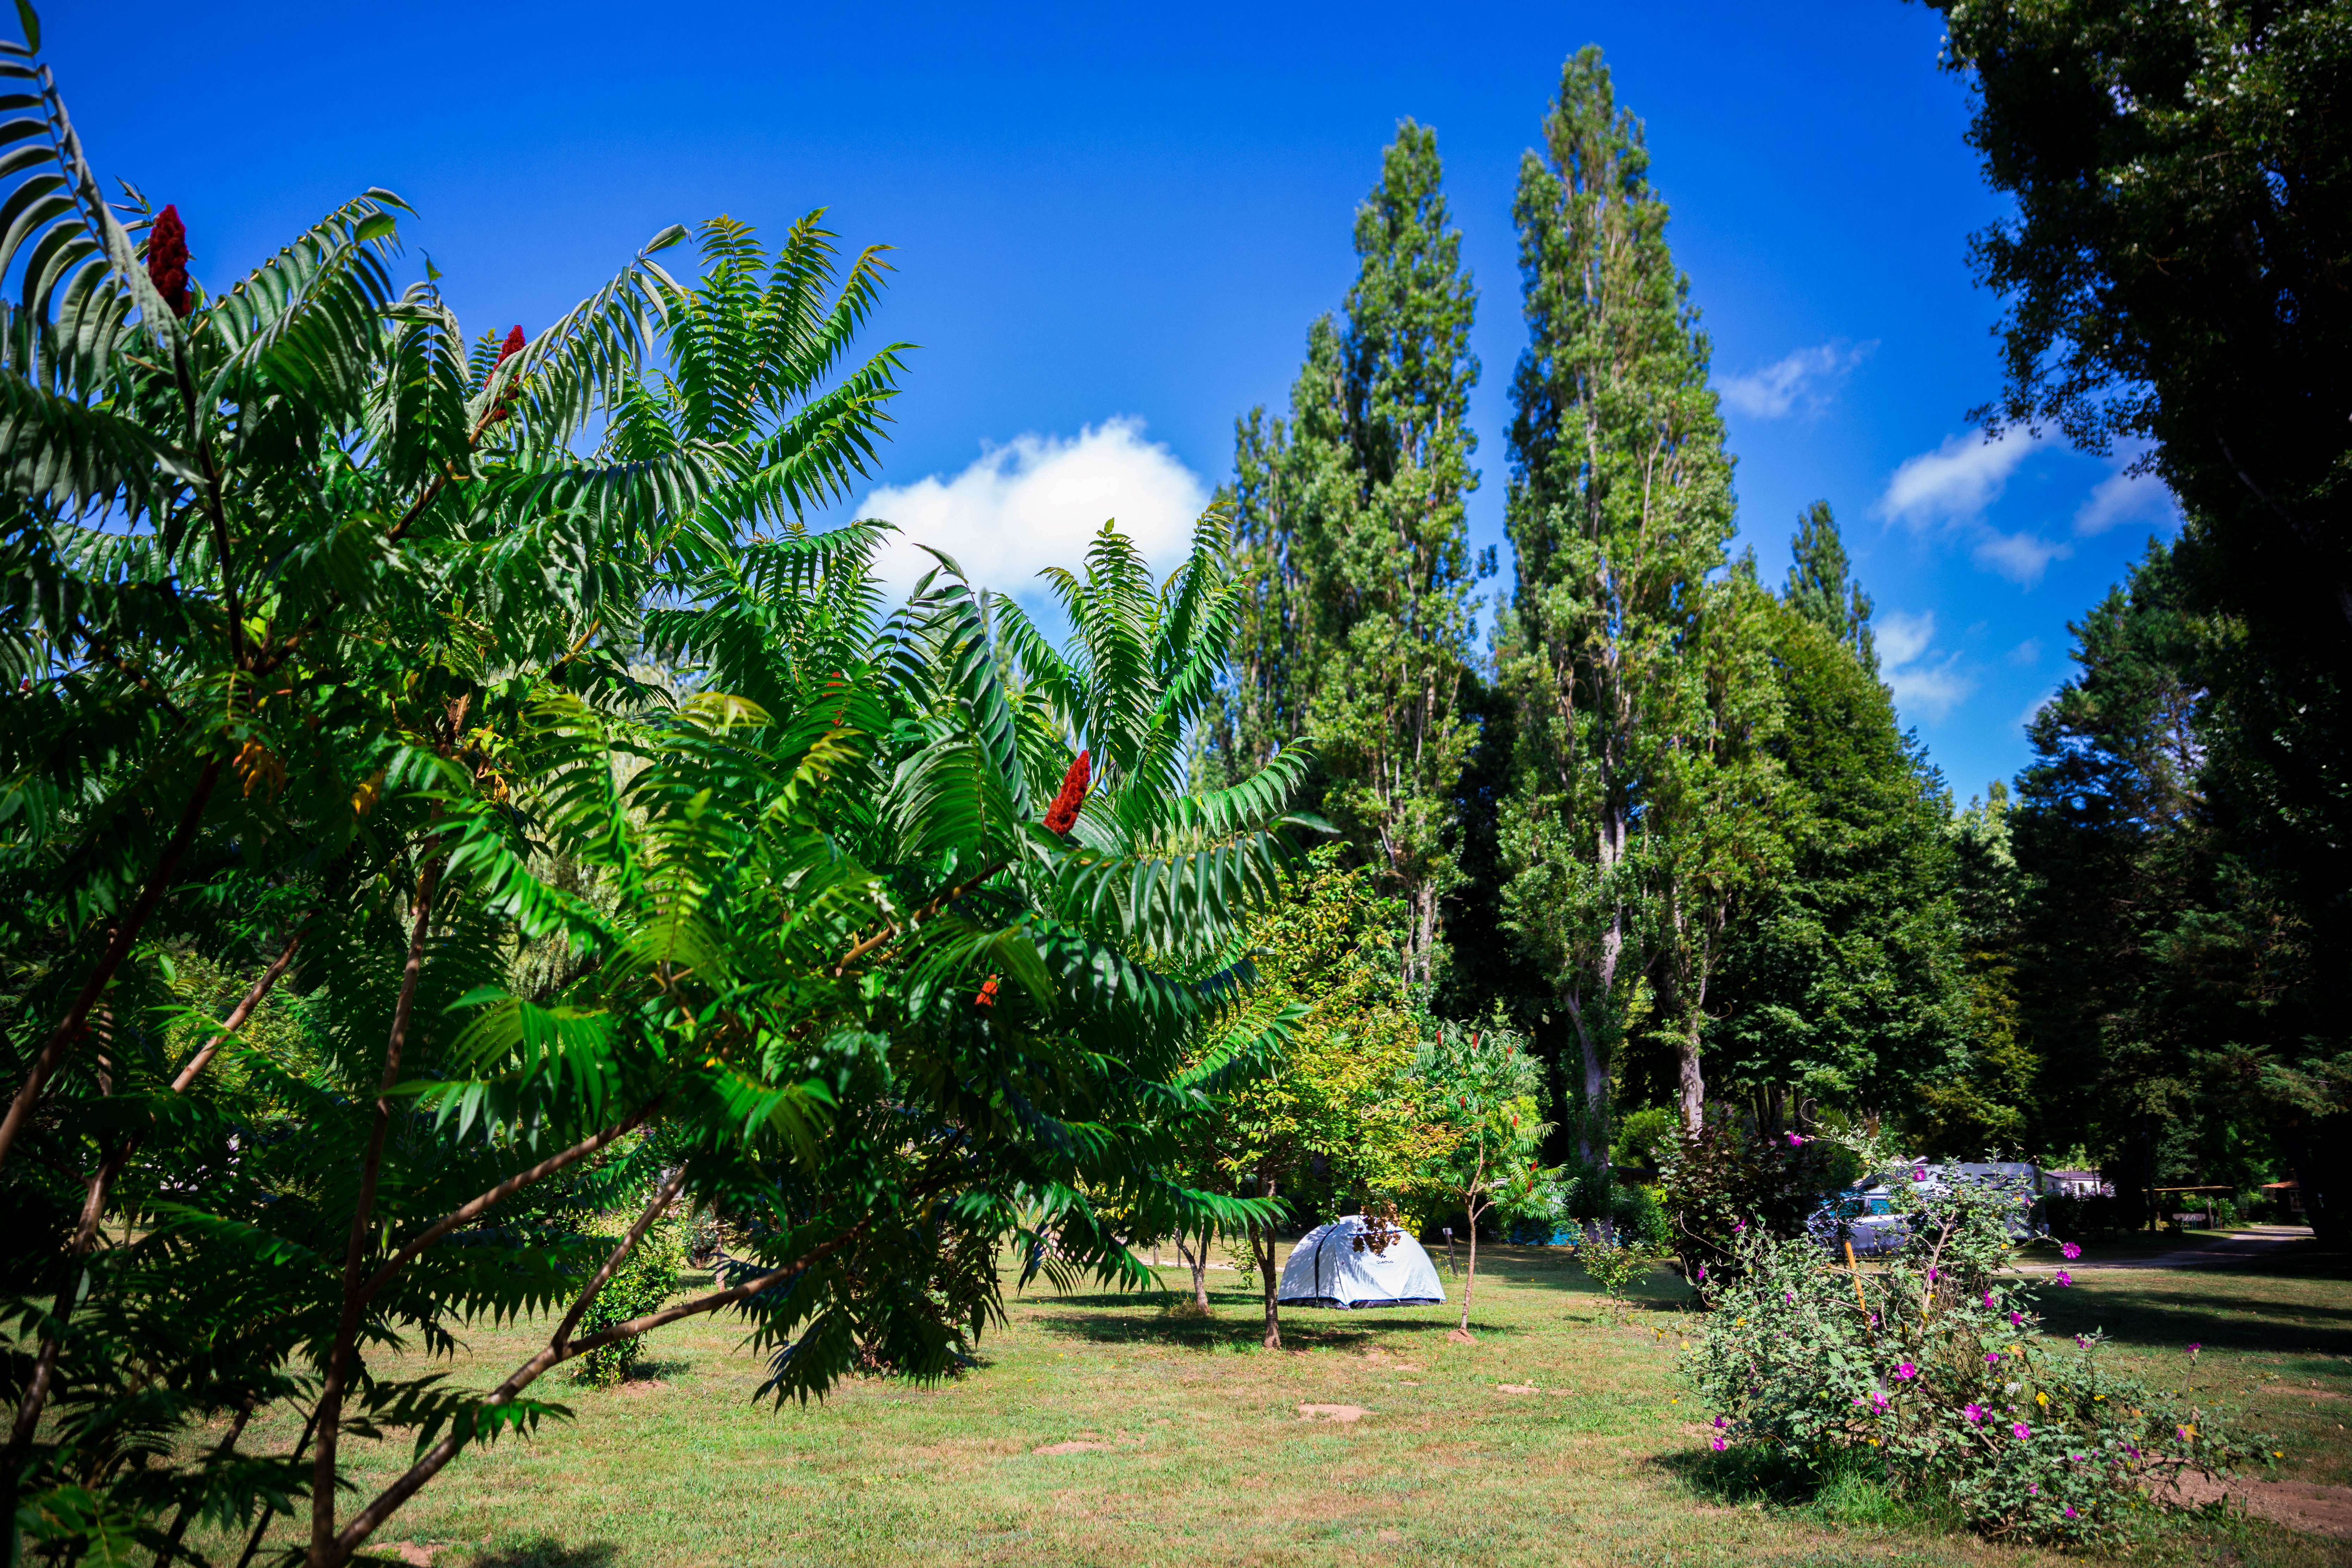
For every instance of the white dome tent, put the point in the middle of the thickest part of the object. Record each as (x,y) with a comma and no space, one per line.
(1332,1265)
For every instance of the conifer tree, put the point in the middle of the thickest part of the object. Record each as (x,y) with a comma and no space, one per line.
(1350,517)
(1620,506)
(1817,588)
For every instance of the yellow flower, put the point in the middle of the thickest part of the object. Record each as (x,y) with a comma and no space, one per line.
(2041,1399)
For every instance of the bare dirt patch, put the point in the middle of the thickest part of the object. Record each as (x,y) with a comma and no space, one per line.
(1461,1336)
(1333,1412)
(2298,1505)
(1515,1388)
(1074,1448)
(640,1388)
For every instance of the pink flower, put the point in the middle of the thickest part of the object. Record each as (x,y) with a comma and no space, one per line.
(1716,1444)
(1919,1174)
(1702,1273)
(1720,1423)
(2064,1278)
(2019,1430)
(1976,1415)
(1933,1275)
(2070,1510)
(2016,1320)
(2072,1252)
(1795,1142)
(1988,1300)
(1993,1358)
(1906,1371)
(2194,1347)
(1737,1225)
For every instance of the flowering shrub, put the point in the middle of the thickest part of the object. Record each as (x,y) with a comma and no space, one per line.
(1934,1366)
(1728,1182)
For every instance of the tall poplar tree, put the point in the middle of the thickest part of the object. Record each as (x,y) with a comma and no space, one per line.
(1620,506)
(1350,518)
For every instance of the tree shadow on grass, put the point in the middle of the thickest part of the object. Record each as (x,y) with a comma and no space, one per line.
(2136,1315)
(549,1552)
(1240,1333)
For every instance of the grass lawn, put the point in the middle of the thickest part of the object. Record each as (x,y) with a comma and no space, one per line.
(1191,1447)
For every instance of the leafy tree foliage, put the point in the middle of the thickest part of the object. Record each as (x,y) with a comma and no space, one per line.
(1620,507)
(1351,519)
(578,831)
(1481,1089)
(1844,986)
(1334,1120)
(2183,185)
(2164,973)
(1819,588)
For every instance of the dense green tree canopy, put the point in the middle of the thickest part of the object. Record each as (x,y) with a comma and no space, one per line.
(593,836)
(1351,516)
(1620,507)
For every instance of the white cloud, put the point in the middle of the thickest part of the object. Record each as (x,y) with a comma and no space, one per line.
(1955,482)
(1035,502)
(1922,681)
(2020,557)
(1804,378)
(2125,497)
(2027,652)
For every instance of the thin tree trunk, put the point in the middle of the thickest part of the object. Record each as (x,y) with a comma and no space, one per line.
(1470,1209)
(1690,1085)
(86,1235)
(187,1510)
(434,1460)
(1196,1258)
(44,1362)
(1262,1249)
(75,1023)
(1593,1120)
(322,1553)
(262,1525)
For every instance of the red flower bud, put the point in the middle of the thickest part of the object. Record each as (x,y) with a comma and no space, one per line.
(1064,811)
(987,997)
(167,261)
(506,351)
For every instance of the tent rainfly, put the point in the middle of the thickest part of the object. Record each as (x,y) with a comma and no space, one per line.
(1335,1266)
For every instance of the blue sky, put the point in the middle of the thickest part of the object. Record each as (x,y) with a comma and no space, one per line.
(1112,226)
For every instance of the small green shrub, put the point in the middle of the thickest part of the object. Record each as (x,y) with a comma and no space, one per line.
(1643,1136)
(1639,1219)
(641,1285)
(1614,1269)
(1929,1375)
